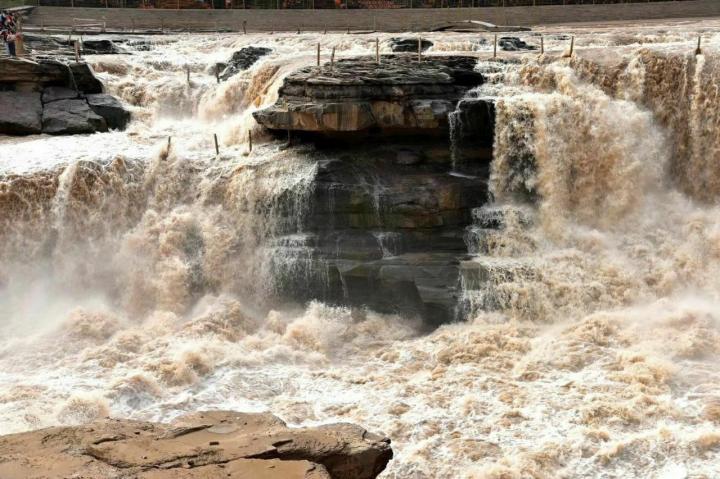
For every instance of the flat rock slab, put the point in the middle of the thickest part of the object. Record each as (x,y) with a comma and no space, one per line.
(201,445)
(70,117)
(21,113)
(21,70)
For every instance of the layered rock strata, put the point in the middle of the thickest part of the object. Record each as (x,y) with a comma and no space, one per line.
(48,96)
(386,220)
(200,445)
(400,95)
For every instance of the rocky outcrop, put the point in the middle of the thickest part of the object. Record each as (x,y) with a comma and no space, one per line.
(513,44)
(409,44)
(386,222)
(401,95)
(48,96)
(201,445)
(241,60)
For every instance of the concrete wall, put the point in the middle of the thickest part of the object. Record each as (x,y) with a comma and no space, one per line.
(383,20)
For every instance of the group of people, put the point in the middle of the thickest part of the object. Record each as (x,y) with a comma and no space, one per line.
(9,31)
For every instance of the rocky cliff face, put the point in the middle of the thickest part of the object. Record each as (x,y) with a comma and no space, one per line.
(388,213)
(201,445)
(51,97)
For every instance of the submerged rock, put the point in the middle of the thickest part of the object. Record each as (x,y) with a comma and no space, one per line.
(241,60)
(201,445)
(21,113)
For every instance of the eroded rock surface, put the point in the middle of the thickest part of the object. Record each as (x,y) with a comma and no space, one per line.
(241,60)
(409,44)
(201,445)
(400,95)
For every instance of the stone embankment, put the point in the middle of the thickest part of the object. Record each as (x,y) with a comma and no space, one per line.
(389,209)
(200,445)
(57,98)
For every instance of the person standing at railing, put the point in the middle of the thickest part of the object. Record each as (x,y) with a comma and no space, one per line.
(8,32)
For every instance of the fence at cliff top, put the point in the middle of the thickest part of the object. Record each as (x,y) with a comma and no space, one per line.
(319,4)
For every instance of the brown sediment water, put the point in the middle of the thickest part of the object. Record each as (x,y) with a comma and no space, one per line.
(141,282)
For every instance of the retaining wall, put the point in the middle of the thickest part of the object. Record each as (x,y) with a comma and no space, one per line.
(381,20)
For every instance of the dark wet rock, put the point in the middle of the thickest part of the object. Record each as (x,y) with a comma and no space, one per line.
(21,113)
(84,79)
(408,157)
(69,117)
(200,445)
(241,60)
(100,47)
(512,44)
(473,131)
(402,95)
(110,108)
(382,234)
(409,44)
(55,93)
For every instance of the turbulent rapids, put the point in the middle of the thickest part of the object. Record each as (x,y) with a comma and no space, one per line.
(143,276)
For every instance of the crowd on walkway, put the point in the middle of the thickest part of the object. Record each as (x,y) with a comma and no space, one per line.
(9,31)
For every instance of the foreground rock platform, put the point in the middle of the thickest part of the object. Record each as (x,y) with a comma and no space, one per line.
(201,445)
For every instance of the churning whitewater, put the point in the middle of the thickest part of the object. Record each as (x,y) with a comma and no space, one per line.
(140,276)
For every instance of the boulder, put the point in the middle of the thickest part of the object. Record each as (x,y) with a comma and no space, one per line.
(84,79)
(241,60)
(201,445)
(22,113)
(69,117)
(55,93)
(409,44)
(99,47)
(512,44)
(110,108)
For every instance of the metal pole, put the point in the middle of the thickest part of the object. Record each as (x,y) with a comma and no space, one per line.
(250,140)
(332,58)
(419,48)
(542,45)
(495,47)
(318,54)
(698,50)
(377,50)
(217,147)
(572,45)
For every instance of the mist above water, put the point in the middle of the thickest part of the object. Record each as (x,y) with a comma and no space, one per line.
(138,280)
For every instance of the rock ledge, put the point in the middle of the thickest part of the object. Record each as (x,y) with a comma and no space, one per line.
(201,445)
